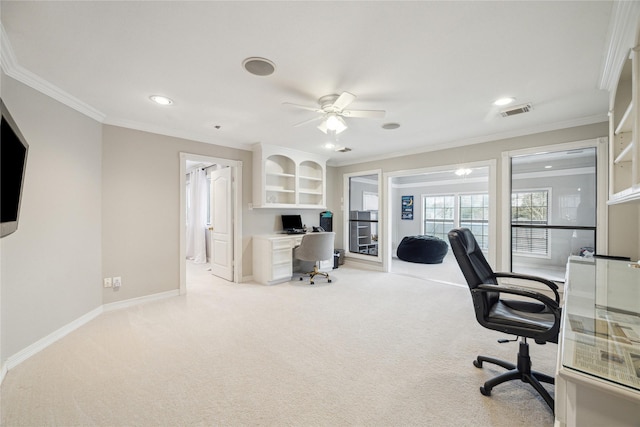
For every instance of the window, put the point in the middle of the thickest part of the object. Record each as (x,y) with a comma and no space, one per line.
(438,214)
(443,212)
(528,210)
(474,215)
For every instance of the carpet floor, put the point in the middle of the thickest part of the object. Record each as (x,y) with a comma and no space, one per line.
(368,349)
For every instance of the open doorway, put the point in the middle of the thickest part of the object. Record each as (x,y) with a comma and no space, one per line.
(221,228)
(555,204)
(432,201)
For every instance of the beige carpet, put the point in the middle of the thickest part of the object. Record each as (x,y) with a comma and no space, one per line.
(369,349)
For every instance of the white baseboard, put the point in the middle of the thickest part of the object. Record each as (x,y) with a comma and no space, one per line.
(45,342)
(3,372)
(139,300)
(364,265)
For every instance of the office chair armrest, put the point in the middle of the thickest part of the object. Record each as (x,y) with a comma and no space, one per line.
(551,304)
(549,283)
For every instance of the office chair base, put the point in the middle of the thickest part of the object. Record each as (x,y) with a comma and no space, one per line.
(522,371)
(314,273)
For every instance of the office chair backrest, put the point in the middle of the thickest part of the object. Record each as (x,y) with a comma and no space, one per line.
(316,247)
(474,266)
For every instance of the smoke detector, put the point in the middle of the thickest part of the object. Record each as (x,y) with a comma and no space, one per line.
(518,109)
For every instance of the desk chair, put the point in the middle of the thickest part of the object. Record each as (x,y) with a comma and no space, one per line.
(315,247)
(531,315)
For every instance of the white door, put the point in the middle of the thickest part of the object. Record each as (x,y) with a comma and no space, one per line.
(221,224)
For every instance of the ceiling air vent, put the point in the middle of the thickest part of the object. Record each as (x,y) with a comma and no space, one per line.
(518,109)
(343,149)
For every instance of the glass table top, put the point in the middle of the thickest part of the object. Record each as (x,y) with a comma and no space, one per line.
(601,320)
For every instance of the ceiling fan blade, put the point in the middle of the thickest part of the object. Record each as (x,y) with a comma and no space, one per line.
(304,107)
(343,100)
(365,114)
(314,119)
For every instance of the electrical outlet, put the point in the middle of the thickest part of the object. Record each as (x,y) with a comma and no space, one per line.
(107,282)
(117,282)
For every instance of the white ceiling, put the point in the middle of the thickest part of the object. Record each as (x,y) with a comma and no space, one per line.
(435,67)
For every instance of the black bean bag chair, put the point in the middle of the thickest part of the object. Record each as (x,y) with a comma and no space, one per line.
(422,249)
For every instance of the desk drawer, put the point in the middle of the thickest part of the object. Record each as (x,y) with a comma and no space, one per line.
(281,271)
(277,245)
(281,256)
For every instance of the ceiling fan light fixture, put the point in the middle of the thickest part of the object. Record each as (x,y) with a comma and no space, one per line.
(333,124)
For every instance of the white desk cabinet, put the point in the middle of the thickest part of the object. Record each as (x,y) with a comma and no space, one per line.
(273,257)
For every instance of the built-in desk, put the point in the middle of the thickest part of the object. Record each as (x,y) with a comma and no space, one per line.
(598,369)
(273,257)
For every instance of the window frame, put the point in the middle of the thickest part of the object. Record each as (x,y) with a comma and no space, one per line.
(377,257)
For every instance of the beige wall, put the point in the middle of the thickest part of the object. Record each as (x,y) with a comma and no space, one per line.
(623,219)
(50,269)
(141,208)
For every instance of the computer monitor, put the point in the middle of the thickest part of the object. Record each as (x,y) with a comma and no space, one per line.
(291,222)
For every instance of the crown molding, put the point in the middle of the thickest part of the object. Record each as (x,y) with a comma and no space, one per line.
(621,38)
(583,121)
(191,136)
(12,69)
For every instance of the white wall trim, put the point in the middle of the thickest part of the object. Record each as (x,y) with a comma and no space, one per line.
(443,145)
(140,300)
(45,342)
(13,69)
(621,37)
(346,212)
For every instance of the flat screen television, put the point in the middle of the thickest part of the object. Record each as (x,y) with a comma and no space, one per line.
(13,162)
(291,222)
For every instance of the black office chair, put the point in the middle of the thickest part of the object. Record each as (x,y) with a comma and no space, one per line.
(535,316)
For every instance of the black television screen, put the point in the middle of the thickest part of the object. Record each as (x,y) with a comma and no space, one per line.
(291,222)
(13,161)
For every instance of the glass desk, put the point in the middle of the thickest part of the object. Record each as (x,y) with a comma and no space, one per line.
(598,378)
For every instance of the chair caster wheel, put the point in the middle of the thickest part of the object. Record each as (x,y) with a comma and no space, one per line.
(301,279)
(485,392)
(328,280)
(312,283)
(477,364)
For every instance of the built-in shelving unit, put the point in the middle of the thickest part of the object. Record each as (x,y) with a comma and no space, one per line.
(624,171)
(286,178)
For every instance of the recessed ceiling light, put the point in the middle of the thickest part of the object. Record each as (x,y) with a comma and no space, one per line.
(548,167)
(391,126)
(503,101)
(259,66)
(329,145)
(162,100)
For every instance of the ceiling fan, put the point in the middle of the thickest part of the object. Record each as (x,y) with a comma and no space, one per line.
(332,110)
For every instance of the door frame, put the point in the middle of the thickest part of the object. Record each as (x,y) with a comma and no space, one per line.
(602,152)
(236,203)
